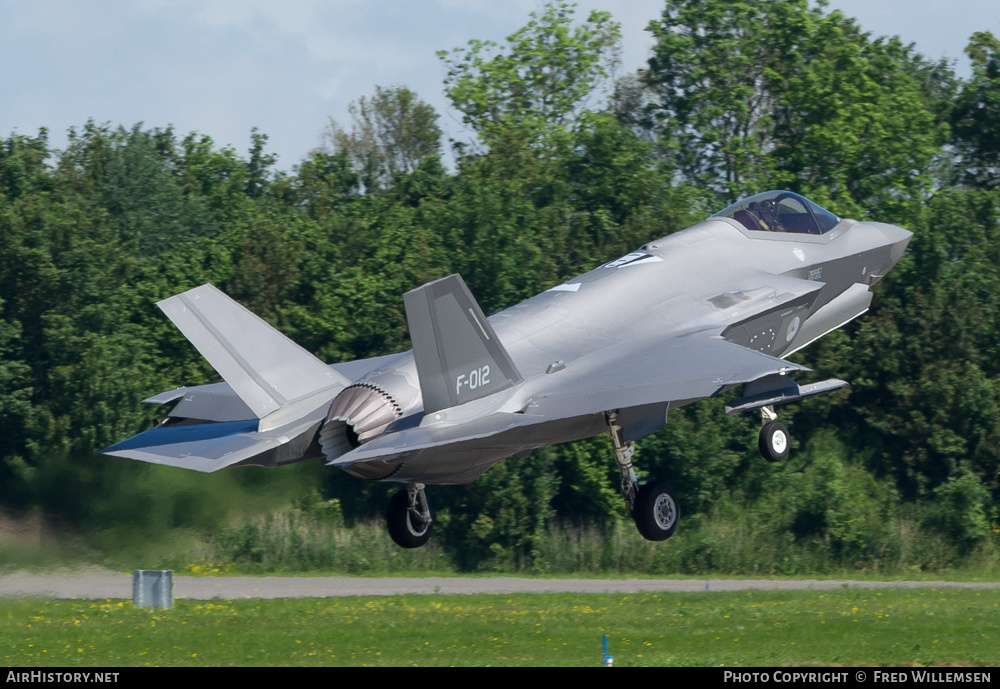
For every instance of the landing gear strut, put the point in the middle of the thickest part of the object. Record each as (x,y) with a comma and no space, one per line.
(623,457)
(654,506)
(409,517)
(774,442)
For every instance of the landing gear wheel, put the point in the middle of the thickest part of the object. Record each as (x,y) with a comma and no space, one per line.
(656,511)
(774,442)
(406,527)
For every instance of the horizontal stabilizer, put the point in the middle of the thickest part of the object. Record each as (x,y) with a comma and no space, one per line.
(168,396)
(201,447)
(458,356)
(215,402)
(266,369)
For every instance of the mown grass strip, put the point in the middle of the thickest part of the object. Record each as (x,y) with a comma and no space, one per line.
(850,627)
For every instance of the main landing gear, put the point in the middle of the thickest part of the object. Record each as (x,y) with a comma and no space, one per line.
(653,506)
(774,442)
(409,517)
(656,511)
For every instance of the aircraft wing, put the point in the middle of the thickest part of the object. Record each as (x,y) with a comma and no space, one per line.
(684,369)
(389,445)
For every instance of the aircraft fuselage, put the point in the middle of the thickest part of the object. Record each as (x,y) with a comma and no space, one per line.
(768,291)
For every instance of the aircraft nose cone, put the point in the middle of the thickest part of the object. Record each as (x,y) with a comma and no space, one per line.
(898,239)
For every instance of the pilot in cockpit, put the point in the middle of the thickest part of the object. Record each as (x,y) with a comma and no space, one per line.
(781,211)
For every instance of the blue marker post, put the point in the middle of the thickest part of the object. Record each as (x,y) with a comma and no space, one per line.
(609,659)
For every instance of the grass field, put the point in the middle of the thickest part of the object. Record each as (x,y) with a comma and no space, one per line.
(848,627)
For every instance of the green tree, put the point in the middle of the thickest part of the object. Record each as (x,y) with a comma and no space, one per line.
(976,116)
(540,82)
(392,132)
(23,164)
(323,182)
(132,175)
(765,94)
(964,509)
(259,164)
(16,413)
(708,75)
(924,367)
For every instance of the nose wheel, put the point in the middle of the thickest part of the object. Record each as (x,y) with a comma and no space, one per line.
(409,517)
(774,442)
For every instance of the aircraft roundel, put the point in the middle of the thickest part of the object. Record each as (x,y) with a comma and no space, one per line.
(793,329)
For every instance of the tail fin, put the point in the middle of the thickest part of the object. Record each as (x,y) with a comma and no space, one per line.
(458,356)
(266,369)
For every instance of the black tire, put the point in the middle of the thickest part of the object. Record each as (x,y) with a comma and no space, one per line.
(774,442)
(656,511)
(402,530)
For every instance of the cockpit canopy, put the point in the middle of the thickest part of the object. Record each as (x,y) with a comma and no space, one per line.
(780,211)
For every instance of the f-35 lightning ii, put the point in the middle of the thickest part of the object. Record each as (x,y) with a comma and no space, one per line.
(689,316)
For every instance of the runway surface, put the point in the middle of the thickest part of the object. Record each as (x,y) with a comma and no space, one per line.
(99,584)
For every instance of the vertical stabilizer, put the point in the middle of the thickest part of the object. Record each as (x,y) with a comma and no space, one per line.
(458,356)
(266,369)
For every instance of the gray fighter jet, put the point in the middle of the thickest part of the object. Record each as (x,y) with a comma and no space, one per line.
(692,315)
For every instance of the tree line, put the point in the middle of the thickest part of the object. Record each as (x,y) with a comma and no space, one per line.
(566,166)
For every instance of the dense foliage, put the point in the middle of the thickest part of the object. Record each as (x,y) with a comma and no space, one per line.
(567,170)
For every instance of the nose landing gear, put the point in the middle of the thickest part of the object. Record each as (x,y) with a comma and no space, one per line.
(774,442)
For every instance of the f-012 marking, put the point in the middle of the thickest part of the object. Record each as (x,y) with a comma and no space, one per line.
(477,376)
